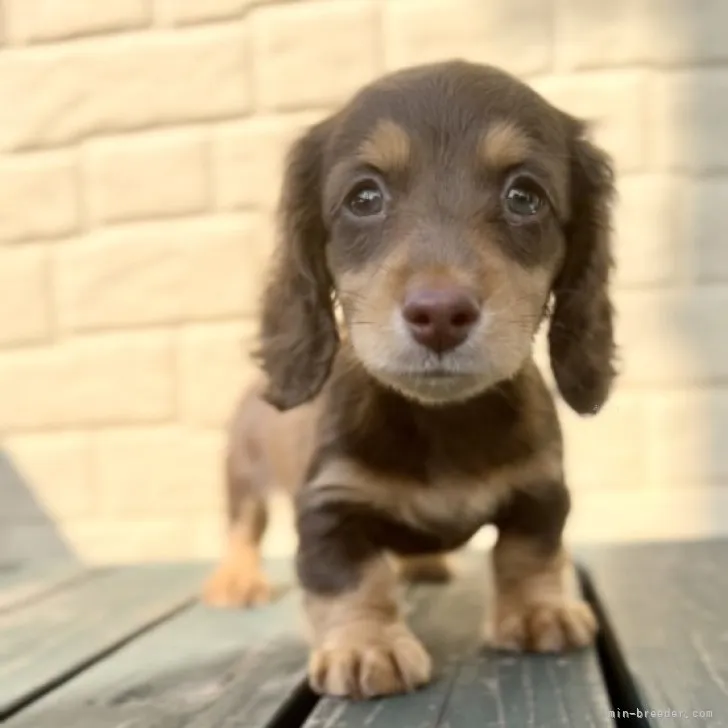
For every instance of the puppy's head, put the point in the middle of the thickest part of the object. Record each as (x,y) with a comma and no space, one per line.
(444,206)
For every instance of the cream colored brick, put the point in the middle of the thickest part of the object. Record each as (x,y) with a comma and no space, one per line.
(653,239)
(668,230)
(608,450)
(38,196)
(120,278)
(703,206)
(248,159)
(39,20)
(225,269)
(673,338)
(154,471)
(314,53)
(656,514)
(184,12)
(25,310)
(163,174)
(207,535)
(614,103)
(102,380)
(687,120)
(206,532)
(512,34)
(152,538)
(120,84)
(161,273)
(214,367)
(686,433)
(592,34)
(56,469)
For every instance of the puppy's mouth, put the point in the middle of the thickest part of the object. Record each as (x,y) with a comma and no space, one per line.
(436,374)
(404,365)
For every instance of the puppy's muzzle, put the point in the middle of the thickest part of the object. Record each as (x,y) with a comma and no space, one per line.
(440,319)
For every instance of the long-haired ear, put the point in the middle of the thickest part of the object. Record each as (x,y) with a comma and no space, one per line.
(298,336)
(581,336)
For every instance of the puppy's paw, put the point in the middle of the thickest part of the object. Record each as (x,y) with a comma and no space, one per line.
(233,586)
(373,663)
(425,569)
(542,627)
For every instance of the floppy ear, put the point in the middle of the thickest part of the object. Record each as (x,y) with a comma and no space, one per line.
(298,334)
(581,337)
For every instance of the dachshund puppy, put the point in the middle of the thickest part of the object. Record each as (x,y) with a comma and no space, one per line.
(448,210)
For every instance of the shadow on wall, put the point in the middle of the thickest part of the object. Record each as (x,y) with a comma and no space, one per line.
(27,531)
(687,141)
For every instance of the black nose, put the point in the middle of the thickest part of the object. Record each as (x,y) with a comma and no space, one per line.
(440,318)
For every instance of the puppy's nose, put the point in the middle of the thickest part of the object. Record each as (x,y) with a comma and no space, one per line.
(440,318)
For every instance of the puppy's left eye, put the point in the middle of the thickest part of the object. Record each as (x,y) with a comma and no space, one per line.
(366,199)
(523,198)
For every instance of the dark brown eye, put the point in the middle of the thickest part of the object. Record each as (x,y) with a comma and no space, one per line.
(365,200)
(523,198)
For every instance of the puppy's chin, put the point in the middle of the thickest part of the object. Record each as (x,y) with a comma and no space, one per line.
(434,391)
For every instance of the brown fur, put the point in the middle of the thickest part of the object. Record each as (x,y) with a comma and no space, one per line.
(503,145)
(387,148)
(535,604)
(386,446)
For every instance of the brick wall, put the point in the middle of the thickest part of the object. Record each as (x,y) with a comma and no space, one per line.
(140,157)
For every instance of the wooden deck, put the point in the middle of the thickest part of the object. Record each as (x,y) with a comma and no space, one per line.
(132,648)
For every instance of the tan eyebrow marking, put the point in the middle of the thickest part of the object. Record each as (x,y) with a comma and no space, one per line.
(387,148)
(503,144)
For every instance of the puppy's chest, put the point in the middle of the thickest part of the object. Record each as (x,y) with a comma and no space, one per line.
(448,502)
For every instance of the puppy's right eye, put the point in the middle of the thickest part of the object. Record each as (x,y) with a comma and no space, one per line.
(365,200)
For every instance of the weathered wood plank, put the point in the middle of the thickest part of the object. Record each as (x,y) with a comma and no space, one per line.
(475,688)
(48,640)
(201,669)
(23,583)
(666,606)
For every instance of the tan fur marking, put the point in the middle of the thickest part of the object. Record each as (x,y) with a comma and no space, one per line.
(503,145)
(536,606)
(447,501)
(362,647)
(428,568)
(387,148)
(238,580)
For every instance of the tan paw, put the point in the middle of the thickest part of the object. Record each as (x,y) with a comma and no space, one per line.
(392,661)
(433,569)
(231,586)
(543,627)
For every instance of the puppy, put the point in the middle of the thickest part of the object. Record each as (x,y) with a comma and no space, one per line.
(448,210)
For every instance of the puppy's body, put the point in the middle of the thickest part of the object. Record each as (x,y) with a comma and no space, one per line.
(267,452)
(444,206)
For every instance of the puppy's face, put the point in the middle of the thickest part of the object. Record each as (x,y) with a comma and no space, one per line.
(443,197)
(440,206)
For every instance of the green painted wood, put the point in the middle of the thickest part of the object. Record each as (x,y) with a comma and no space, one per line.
(48,640)
(666,606)
(203,668)
(476,688)
(21,583)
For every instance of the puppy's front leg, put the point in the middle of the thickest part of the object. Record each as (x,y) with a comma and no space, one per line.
(362,647)
(536,606)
